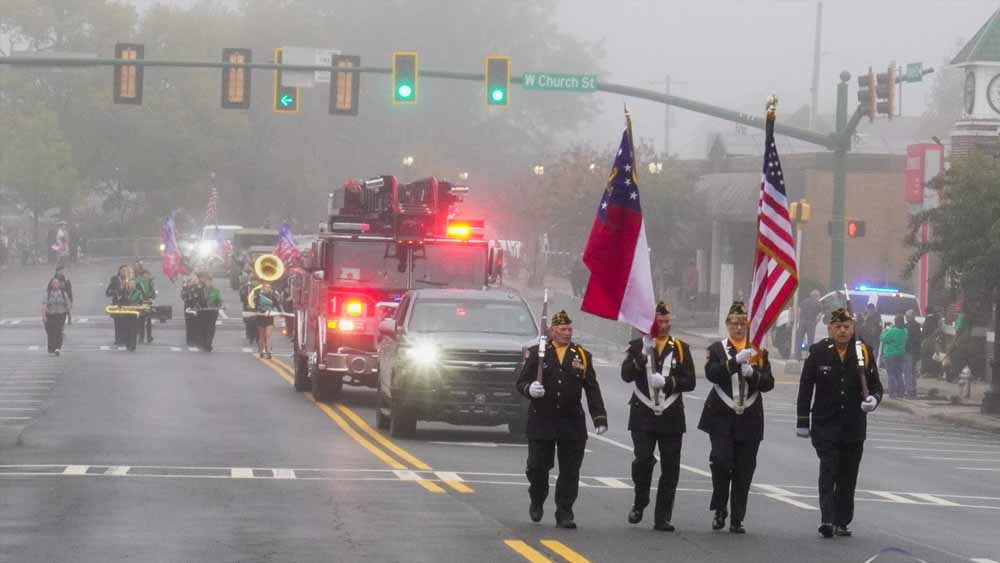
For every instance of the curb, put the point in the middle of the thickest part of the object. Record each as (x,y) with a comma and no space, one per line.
(965,421)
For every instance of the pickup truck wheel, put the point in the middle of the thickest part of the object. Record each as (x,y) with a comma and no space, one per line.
(302,382)
(403,423)
(325,386)
(382,420)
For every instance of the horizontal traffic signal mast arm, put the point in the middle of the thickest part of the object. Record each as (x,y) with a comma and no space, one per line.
(828,141)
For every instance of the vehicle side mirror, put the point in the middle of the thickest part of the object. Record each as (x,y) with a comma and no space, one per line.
(387,327)
(318,275)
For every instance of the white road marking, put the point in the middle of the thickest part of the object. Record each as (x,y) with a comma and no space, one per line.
(893,497)
(979,468)
(981,560)
(448,476)
(192,348)
(20,400)
(15,418)
(247,350)
(83,320)
(612,482)
(33,348)
(223,314)
(122,348)
(405,475)
(28,409)
(479,444)
(606,440)
(241,473)
(284,473)
(217,323)
(792,502)
(960,458)
(933,499)
(949,443)
(117,470)
(76,470)
(931,450)
(15,322)
(784,495)
(105,348)
(175,349)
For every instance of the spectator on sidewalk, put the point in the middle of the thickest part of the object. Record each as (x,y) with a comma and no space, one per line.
(809,312)
(871,327)
(894,352)
(932,345)
(911,361)
(56,306)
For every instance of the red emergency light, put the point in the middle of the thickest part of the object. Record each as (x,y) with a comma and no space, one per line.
(354,308)
(466,228)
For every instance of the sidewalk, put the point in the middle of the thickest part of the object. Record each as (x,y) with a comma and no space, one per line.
(935,401)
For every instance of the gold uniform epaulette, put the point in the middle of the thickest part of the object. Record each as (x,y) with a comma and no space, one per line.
(583,356)
(680,350)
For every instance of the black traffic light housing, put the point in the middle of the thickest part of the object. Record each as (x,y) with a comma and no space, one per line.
(128,78)
(236,81)
(886,91)
(867,89)
(404,77)
(345,86)
(286,98)
(497,74)
(855,228)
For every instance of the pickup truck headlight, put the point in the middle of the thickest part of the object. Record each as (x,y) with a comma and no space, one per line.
(424,354)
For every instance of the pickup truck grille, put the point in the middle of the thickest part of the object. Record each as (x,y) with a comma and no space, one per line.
(474,367)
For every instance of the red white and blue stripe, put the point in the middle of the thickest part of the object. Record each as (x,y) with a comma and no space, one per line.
(286,249)
(617,254)
(775,274)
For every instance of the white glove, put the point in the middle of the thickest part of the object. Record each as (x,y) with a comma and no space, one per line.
(869,404)
(536,390)
(746,370)
(657,381)
(802,432)
(744,355)
(601,430)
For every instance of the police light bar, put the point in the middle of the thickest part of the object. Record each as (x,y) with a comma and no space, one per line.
(352,227)
(876,289)
(458,190)
(459,230)
(466,228)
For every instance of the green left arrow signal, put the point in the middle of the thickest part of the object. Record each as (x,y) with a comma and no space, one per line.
(287,100)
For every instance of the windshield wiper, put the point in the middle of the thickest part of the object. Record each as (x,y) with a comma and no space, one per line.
(434,283)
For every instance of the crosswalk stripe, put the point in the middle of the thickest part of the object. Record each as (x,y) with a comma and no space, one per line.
(894,497)
(241,473)
(612,482)
(933,499)
(117,470)
(76,470)
(284,473)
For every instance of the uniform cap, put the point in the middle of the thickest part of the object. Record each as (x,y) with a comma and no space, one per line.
(561,318)
(840,316)
(738,308)
(662,309)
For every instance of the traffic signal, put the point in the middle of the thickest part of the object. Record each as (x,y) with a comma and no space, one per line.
(345,86)
(128,78)
(867,89)
(497,81)
(886,91)
(286,98)
(855,228)
(404,78)
(235,80)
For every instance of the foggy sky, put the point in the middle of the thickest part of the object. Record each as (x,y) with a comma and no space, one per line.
(735,53)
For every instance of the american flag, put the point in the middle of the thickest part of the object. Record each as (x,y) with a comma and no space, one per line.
(775,274)
(211,210)
(286,249)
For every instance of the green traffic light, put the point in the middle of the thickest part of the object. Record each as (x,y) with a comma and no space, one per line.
(405,91)
(497,95)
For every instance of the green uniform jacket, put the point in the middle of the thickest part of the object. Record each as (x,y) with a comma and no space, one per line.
(893,342)
(213,297)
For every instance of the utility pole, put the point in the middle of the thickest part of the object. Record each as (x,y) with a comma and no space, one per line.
(817,61)
(839,186)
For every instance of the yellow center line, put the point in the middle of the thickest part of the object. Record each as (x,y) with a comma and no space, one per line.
(565,552)
(286,373)
(526,551)
(386,443)
(459,486)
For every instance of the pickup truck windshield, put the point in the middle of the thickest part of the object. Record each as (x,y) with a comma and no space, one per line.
(497,317)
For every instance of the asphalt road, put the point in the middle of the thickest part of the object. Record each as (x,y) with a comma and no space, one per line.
(166,454)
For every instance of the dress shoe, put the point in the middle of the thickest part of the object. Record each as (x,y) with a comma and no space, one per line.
(635,515)
(567,523)
(826,530)
(719,522)
(269,355)
(664,527)
(842,531)
(535,512)
(737,528)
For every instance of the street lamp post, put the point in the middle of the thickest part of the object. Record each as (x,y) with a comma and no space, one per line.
(799,212)
(407,161)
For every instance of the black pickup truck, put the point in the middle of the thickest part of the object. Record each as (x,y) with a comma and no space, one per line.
(452,355)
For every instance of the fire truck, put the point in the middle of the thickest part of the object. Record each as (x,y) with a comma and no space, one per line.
(381,238)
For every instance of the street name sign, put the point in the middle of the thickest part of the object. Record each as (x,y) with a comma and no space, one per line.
(559,82)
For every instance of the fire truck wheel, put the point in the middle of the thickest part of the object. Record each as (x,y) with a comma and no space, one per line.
(403,423)
(326,387)
(381,419)
(302,382)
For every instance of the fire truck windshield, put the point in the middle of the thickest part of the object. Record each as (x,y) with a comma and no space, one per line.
(359,262)
(448,264)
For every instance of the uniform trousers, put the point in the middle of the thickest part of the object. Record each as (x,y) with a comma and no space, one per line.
(732,463)
(129,327)
(206,328)
(119,340)
(838,476)
(541,458)
(644,445)
(191,327)
(54,323)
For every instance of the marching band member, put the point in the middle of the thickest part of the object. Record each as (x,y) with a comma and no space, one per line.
(266,302)
(114,292)
(209,303)
(556,420)
(130,295)
(144,279)
(842,371)
(734,428)
(190,295)
(655,424)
